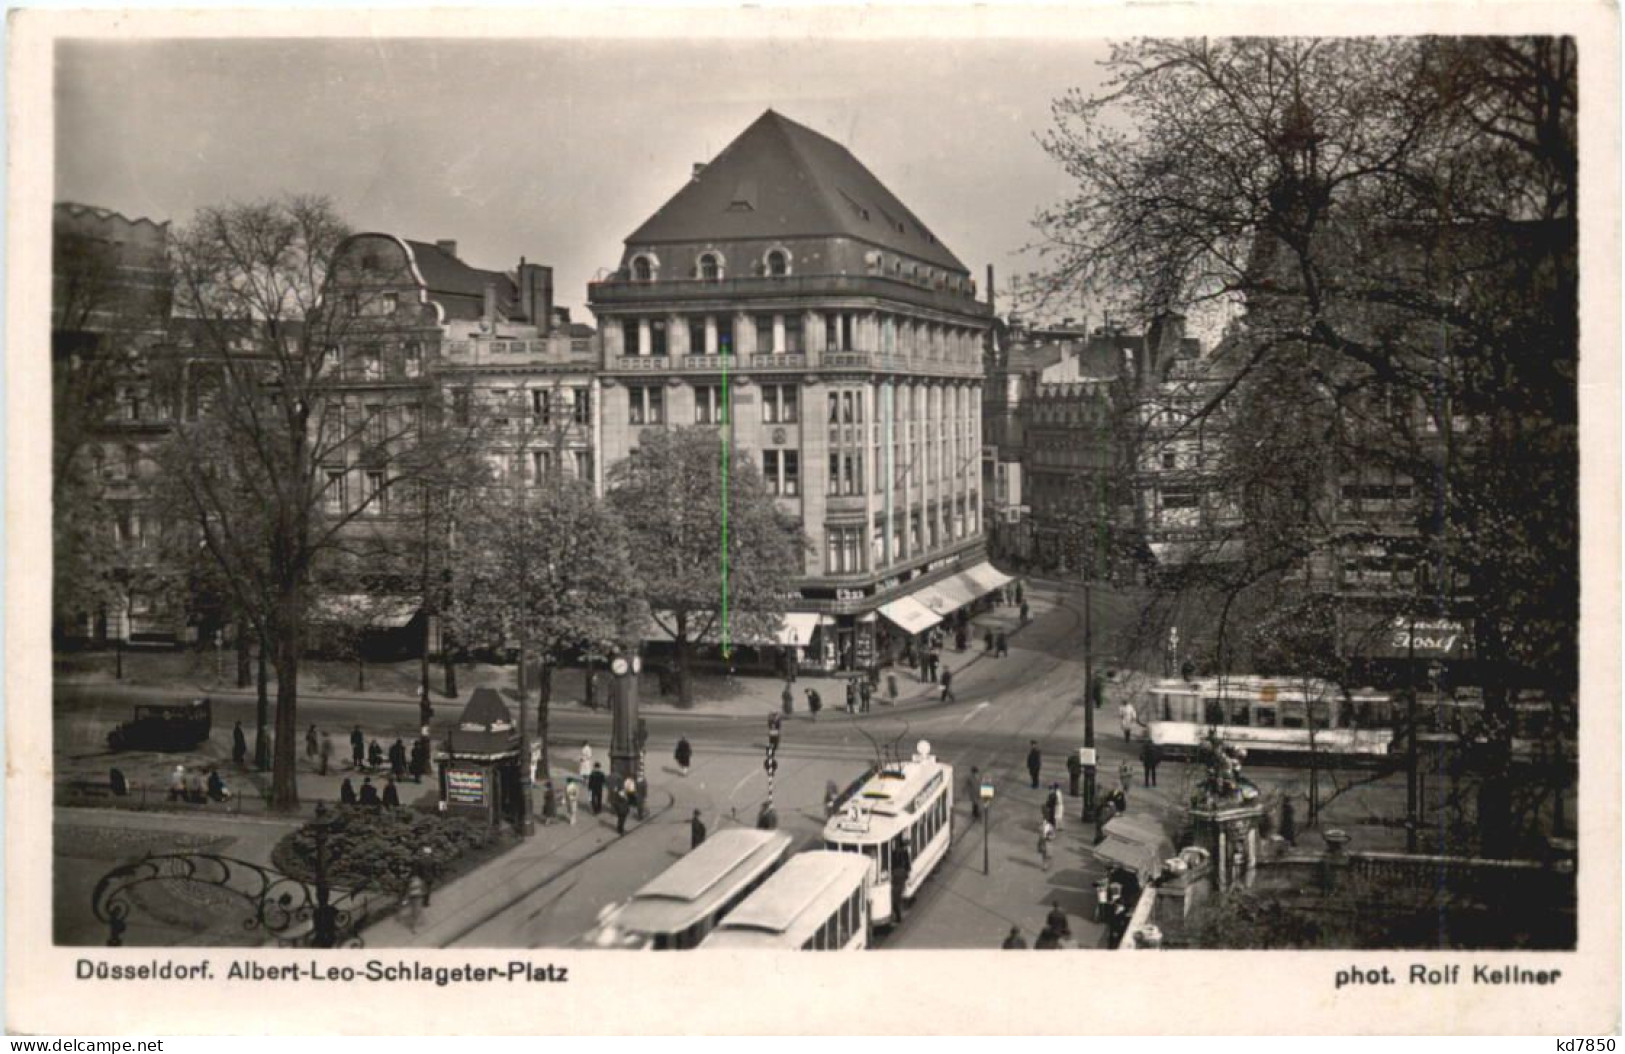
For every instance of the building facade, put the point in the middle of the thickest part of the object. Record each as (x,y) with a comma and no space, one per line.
(852,344)
(114,403)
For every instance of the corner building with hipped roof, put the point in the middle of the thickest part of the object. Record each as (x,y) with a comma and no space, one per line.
(785,296)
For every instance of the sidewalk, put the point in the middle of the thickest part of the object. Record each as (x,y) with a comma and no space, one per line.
(167,677)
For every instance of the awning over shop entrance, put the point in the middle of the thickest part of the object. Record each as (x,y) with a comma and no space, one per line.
(795,631)
(909,615)
(798,626)
(968,586)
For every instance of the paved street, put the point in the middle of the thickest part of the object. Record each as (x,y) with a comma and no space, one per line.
(550,889)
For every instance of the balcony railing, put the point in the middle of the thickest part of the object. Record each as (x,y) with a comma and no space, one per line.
(783,360)
(576,351)
(623,291)
(641,362)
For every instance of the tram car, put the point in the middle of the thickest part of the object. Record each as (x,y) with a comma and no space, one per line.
(1270,718)
(898,803)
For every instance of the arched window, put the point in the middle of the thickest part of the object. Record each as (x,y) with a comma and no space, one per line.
(643,269)
(778,263)
(710,267)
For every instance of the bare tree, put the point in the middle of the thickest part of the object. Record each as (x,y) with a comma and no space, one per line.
(267,472)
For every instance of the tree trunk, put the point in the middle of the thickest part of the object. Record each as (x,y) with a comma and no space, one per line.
(685,697)
(284,773)
(245,671)
(450,665)
(262,713)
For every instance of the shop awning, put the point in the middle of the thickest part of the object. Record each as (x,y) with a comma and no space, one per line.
(798,626)
(1139,846)
(795,631)
(957,590)
(363,611)
(909,615)
(987,578)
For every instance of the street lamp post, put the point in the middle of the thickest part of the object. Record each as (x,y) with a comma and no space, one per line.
(324,923)
(986,792)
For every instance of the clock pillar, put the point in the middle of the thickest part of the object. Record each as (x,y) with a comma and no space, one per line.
(626,737)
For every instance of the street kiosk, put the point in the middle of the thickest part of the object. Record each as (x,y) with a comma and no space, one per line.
(480,769)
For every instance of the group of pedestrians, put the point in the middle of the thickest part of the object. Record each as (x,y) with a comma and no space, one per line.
(1056,934)
(625,799)
(398,759)
(368,796)
(859,695)
(196,785)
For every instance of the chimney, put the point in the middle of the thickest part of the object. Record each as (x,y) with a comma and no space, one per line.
(699,166)
(447,246)
(990,303)
(536,295)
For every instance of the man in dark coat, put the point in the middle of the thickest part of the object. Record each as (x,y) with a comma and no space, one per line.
(1001,645)
(1057,920)
(901,865)
(787,701)
(358,747)
(1014,942)
(1289,823)
(684,754)
(1150,758)
(865,694)
(696,831)
(595,788)
(851,696)
(392,796)
(1074,773)
(346,792)
(375,755)
(1035,762)
(369,793)
(814,703)
(947,686)
(420,759)
(397,759)
(623,809)
(973,791)
(239,743)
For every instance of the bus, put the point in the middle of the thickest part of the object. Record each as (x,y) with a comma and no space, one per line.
(818,901)
(896,801)
(677,908)
(1274,719)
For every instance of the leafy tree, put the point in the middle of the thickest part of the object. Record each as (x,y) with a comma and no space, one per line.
(715,554)
(252,472)
(543,567)
(1391,223)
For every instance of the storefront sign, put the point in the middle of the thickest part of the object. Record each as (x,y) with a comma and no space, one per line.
(465,787)
(1403,637)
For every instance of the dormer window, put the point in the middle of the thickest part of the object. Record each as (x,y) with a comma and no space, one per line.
(710,267)
(643,268)
(778,263)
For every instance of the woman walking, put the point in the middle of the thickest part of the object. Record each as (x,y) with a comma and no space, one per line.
(684,755)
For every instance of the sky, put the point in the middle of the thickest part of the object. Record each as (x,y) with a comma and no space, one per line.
(556,150)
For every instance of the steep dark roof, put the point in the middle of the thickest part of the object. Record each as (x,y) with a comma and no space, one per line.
(486,708)
(445,274)
(780,179)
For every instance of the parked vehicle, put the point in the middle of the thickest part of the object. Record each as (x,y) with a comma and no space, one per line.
(157,726)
